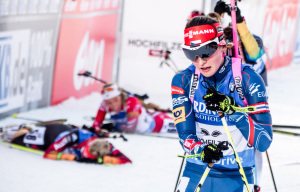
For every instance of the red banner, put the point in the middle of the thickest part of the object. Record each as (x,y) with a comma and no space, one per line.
(86,42)
(280,30)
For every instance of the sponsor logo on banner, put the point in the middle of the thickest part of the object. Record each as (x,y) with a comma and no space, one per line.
(279,31)
(145,43)
(89,57)
(27,53)
(177,90)
(179,115)
(92,48)
(14,48)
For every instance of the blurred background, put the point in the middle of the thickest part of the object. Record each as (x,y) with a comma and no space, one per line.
(44,44)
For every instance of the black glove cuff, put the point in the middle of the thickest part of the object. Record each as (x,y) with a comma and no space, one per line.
(239,19)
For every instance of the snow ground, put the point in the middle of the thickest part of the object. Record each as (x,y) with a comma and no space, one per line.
(155,163)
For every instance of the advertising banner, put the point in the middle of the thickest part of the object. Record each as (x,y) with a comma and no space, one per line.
(86,42)
(280,31)
(28,36)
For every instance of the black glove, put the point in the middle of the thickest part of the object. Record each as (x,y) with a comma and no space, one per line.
(108,126)
(217,101)
(221,7)
(213,153)
(239,17)
(99,132)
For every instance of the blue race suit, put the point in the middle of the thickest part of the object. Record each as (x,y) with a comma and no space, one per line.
(198,126)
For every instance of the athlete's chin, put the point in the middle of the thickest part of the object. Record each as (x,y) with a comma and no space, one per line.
(207,72)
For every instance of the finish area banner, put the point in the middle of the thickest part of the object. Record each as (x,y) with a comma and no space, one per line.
(280,31)
(28,37)
(87,41)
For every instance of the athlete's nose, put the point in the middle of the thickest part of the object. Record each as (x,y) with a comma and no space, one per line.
(201,61)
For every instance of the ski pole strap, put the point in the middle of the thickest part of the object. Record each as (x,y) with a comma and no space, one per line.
(244,109)
(189,156)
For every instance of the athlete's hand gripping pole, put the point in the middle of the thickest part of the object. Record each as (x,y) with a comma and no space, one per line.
(237,159)
(210,154)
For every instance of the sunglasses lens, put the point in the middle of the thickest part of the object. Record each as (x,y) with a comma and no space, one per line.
(202,52)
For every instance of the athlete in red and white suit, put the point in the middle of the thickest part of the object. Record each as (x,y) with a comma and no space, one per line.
(128,114)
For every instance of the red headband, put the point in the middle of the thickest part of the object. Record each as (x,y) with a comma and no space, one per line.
(202,33)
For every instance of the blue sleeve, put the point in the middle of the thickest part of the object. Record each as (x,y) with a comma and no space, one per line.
(256,127)
(183,113)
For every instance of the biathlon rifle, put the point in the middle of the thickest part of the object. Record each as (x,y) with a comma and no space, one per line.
(89,74)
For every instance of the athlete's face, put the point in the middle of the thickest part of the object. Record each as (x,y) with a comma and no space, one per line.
(114,103)
(209,66)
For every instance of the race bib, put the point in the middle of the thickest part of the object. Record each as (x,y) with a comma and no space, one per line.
(35,136)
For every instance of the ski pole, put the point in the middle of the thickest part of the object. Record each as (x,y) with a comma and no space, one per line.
(20,147)
(271,172)
(286,132)
(205,173)
(237,159)
(39,122)
(209,166)
(180,171)
(15,115)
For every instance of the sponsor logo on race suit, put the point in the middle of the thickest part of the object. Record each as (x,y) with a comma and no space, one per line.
(179,100)
(177,90)
(179,115)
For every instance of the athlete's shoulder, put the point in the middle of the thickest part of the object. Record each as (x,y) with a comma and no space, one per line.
(249,75)
(132,99)
(183,78)
(254,87)
(133,104)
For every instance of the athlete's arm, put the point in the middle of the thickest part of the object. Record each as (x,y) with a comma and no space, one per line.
(133,110)
(99,118)
(253,50)
(256,127)
(183,112)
